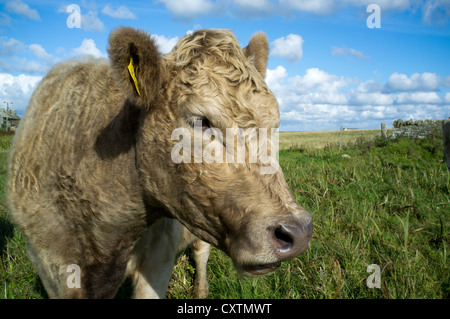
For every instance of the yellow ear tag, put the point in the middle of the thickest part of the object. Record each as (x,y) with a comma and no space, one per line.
(133,76)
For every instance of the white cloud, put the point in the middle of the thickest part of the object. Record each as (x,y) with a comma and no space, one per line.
(370,93)
(17,64)
(275,77)
(337,51)
(27,83)
(17,89)
(312,6)
(122,12)
(320,81)
(370,86)
(321,100)
(446,82)
(384,4)
(315,87)
(258,5)
(436,11)
(91,22)
(426,81)
(189,9)
(45,60)
(196,27)
(5,19)
(373,98)
(10,46)
(165,44)
(433,11)
(289,47)
(18,7)
(418,98)
(323,7)
(252,8)
(88,47)
(14,57)
(446,98)
(38,51)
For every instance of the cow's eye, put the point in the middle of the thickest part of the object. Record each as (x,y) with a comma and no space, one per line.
(203,121)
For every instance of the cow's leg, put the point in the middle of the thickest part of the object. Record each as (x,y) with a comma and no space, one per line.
(201,251)
(201,254)
(65,274)
(153,258)
(60,279)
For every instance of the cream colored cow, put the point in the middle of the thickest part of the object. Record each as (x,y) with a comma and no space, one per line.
(93,185)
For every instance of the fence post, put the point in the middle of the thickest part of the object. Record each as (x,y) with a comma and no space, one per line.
(383,131)
(340,138)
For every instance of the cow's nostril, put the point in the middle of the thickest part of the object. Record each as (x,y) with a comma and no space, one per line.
(284,238)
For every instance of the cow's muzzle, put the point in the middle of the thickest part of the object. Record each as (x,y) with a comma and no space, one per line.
(287,239)
(291,239)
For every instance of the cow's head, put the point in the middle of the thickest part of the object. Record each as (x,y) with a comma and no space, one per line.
(193,98)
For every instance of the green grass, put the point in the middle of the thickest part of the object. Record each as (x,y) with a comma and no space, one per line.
(388,204)
(5,140)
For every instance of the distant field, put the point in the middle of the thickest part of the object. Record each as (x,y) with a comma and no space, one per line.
(323,139)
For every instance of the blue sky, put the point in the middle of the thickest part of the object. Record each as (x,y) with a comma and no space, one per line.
(327,68)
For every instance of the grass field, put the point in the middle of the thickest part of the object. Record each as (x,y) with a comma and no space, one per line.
(323,140)
(384,203)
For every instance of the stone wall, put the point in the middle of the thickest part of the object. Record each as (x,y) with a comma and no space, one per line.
(416,129)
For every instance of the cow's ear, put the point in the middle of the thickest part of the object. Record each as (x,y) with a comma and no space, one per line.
(137,64)
(257,51)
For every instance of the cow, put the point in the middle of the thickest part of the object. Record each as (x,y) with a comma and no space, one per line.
(93,184)
(446,137)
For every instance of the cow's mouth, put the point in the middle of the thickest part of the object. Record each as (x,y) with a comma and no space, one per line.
(259,270)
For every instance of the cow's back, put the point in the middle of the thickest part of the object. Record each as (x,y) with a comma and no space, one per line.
(67,110)
(57,134)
